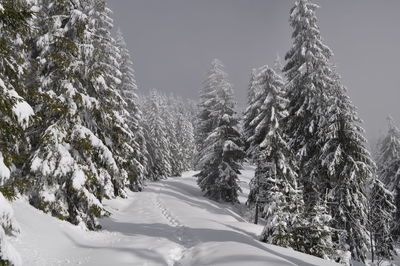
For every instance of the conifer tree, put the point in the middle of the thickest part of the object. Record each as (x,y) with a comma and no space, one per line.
(347,167)
(388,162)
(159,165)
(309,79)
(207,120)
(312,235)
(187,146)
(80,141)
(275,180)
(128,90)
(325,132)
(389,157)
(113,127)
(268,136)
(222,149)
(381,212)
(250,113)
(15,115)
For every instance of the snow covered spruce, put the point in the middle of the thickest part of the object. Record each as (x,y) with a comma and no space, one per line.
(221,151)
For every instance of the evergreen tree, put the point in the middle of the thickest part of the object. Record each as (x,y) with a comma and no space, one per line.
(207,120)
(222,152)
(81,140)
(112,124)
(347,166)
(312,235)
(128,89)
(159,162)
(187,146)
(275,180)
(250,113)
(169,116)
(388,168)
(381,212)
(325,132)
(15,115)
(389,157)
(268,136)
(309,79)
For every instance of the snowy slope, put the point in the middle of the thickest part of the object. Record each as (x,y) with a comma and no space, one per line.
(169,223)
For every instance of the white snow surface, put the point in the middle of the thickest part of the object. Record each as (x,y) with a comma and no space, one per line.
(4,171)
(169,223)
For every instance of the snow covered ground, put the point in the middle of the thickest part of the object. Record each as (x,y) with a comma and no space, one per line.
(169,223)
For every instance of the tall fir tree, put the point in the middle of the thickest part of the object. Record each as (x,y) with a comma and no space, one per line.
(388,162)
(187,146)
(112,125)
(15,115)
(252,110)
(275,181)
(347,167)
(325,132)
(80,143)
(308,76)
(207,120)
(265,131)
(222,150)
(128,90)
(381,210)
(159,165)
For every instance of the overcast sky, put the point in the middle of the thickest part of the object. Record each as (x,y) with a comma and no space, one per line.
(173,42)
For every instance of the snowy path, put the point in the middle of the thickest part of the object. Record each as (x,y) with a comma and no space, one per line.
(169,223)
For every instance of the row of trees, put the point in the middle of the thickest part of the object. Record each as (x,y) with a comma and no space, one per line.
(315,179)
(71,131)
(168,133)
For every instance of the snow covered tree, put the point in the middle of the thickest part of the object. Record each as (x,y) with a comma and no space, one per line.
(381,212)
(207,120)
(81,143)
(187,146)
(268,135)
(222,150)
(275,181)
(389,157)
(282,211)
(347,167)
(325,132)
(388,162)
(309,78)
(15,115)
(312,235)
(250,113)
(114,126)
(15,112)
(159,165)
(128,89)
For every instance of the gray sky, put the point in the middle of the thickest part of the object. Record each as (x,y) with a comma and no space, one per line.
(173,42)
